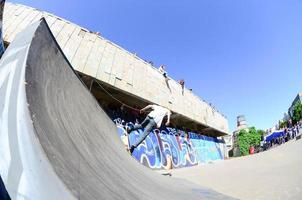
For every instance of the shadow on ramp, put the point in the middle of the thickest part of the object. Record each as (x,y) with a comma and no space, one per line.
(57,142)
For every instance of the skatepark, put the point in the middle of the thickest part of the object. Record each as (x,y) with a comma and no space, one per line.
(273,174)
(58,142)
(52,149)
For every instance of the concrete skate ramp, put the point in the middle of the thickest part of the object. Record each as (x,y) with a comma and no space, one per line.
(56,142)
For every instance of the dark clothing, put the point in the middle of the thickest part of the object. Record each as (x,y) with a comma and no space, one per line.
(3,192)
(148,125)
(182,83)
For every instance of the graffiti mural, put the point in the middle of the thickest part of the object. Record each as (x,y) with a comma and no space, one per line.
(167,148)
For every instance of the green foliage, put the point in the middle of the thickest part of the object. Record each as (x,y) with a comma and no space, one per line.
(248,138)
(282,124)
(243,142)
(297,112)
(261,133)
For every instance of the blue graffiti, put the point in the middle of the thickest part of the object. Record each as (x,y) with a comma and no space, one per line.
(167,147)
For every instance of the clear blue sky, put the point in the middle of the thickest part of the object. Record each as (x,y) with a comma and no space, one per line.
(243,56)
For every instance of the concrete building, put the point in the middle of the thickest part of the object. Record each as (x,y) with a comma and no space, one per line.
(296,100)
(228,145)
(285,117)
(241,125)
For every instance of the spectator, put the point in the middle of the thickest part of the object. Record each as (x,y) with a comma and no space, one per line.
(135,114)
(151,63)
(123,111)
(262,144)
(182,83)
(297,129)
(162,70)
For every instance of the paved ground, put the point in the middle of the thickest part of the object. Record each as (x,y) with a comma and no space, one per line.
(274,174)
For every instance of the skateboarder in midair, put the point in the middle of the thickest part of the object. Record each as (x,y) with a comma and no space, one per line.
(153,120)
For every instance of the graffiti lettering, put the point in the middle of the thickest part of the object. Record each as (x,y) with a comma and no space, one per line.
(168,147)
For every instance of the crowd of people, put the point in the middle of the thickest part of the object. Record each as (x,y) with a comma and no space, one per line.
(289,133)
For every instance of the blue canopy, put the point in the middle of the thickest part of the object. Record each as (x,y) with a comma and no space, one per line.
(274,135)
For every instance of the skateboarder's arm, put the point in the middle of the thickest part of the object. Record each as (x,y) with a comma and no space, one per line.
(168,118)
(145,108)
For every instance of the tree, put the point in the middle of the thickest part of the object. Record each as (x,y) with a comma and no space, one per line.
(282,124)
(248,138)
(297,112)
(261,133)
(243,142)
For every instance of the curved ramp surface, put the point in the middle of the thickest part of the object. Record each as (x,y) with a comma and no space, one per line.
(56,142)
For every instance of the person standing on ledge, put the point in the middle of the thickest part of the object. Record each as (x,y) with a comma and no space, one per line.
(153,120)
(162,70)
(182,84)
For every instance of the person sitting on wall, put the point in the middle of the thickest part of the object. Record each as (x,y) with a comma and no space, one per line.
(153,120)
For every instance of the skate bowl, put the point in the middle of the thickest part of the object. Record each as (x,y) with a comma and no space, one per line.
(56,142)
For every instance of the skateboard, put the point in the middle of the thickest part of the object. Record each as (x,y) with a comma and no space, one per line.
(167,174)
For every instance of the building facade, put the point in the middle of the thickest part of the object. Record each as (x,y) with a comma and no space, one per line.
(241,125)
(296,100)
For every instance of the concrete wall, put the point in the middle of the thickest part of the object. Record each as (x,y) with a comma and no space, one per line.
(95,56)
(168,148)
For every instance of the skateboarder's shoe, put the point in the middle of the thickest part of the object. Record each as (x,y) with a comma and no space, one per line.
(131,149)
(128,129)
